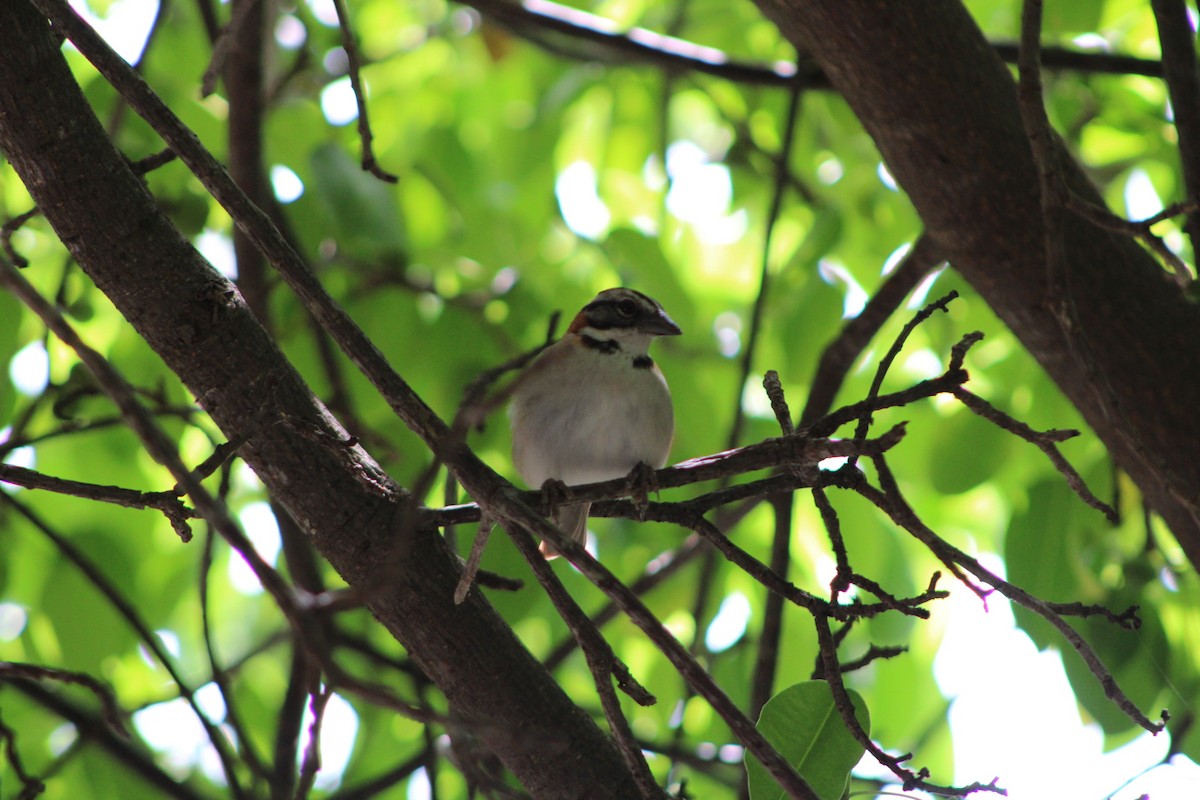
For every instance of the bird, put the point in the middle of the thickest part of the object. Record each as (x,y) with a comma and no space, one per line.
(593,405)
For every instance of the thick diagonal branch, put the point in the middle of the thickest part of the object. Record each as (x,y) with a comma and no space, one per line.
(203,331)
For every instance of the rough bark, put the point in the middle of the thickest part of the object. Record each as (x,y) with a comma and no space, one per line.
(944,113)
(202,329)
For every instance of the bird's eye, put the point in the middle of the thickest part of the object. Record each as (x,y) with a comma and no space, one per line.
(626,308)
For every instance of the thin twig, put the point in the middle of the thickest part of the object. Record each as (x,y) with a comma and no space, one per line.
(223,45)
(1046,441)
(535,18)
(1127,619)
(354,65)
(774,582)
(471,568)
(476,405)
(954,376)
(889,500)
(377,786)
(517,516)
(764,277)
(321,651)
(766,667)
(833,528)
(219,675)
(152,162)
(796,452)
(104,693)
(657,571)
(146,636)
(833,670)
(840,354)
(885,363)
(31,787)
(779,405)
(96,733)
(873,653)
(166,502)
(1140,229)
(763,675)
(303,675)
(705,584)
(9,228)
(602,662)
(152,436)
(1043,142)
(318,702)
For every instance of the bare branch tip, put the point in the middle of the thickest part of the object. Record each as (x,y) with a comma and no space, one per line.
(501,583)
(893,436)
(630,685)
(943,302)
(372,166)
(774,389)
(552,326)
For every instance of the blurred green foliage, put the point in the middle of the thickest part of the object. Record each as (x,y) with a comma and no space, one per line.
(530,180)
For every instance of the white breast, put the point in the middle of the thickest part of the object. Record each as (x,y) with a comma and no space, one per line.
(580,415)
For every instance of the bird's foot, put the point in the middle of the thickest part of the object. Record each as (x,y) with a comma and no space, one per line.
(642,480)
(558,503)
(555,493)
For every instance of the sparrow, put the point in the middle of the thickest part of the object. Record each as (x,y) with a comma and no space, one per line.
(594,406)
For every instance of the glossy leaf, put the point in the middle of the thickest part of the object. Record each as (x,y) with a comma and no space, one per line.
(806,728)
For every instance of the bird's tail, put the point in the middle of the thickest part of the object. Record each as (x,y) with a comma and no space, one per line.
(570,519)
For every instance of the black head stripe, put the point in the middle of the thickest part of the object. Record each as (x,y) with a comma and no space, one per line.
(605,311)
(643,299)
(601,345)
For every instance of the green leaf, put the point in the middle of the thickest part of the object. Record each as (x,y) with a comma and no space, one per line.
(967,451)
(1134,658)
(826,232)
(804,726)
(362,208)
(10,343)
(1041,550)
(1067,18)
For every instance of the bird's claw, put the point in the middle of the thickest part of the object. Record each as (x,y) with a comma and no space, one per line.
(555,493)
(642,480)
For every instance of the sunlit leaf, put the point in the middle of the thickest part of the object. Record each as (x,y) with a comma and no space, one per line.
(806,728)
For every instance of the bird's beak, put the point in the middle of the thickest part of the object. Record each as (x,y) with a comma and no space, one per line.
(661,325)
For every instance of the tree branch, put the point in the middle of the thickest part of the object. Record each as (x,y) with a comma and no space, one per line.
(166,502)
(203,331)
(92,728)
(592,36)
(1177,38)
(953,138)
